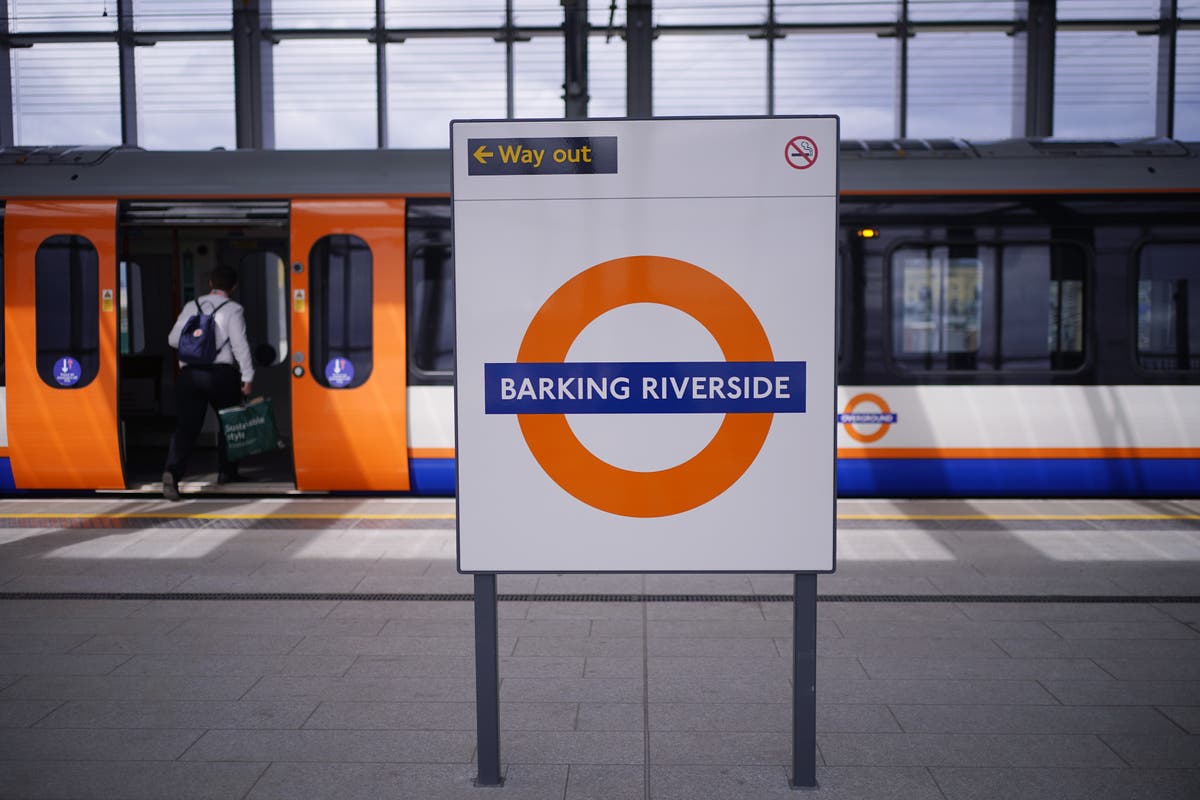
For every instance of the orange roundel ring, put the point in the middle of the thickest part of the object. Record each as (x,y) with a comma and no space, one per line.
(867,438)
(697,293)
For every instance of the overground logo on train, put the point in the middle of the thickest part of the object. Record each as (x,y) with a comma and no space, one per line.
(749,387)
(883,417)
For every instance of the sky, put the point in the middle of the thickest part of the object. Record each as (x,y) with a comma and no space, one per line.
(961,84)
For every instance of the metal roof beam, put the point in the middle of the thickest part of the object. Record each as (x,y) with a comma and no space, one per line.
(639,40)
(575,57)
(127,73)
(1164,95)
(1033,70)
(7,129)
(254,76)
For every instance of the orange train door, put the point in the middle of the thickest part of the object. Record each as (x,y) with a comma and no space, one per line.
(349,352)
(61,324)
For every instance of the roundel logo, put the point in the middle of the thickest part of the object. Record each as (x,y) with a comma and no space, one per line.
(749,387)
(875,416)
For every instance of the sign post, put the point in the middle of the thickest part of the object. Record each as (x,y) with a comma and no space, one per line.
(645,357)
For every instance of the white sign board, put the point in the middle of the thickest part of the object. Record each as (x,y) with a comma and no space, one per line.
(645,340)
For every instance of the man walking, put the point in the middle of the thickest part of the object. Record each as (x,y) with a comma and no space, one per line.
(220,383)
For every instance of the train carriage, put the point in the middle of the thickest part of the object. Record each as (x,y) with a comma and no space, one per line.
(1016,318)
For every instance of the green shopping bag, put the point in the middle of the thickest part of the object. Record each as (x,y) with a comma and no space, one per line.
(250,429)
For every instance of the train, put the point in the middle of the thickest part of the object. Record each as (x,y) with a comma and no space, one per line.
(1016,318)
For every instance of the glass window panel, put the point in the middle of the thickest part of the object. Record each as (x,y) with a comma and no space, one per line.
(185,95)
(960,84)
(435,14)
(545,12)
(131,318)
(960,10)
(853,75)
(61,16)
(802,11)
(599,12)
(325,94)
(1107,9)
(939,305)
(340,340)
(1168,330)
(1187,86)
(1104,84)
(170,15)
(606,77)
(969,306)
(1189,9)
(68,311)
(322,14)
(709,75)
(1042,307)
(431,81)
(709,12)
(431,290)
(538,78)
(66,94)
(262,289)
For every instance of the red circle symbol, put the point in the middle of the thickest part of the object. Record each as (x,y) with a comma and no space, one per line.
(669,282)
(801,152)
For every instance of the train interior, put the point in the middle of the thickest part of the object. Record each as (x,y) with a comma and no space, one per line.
(166,252)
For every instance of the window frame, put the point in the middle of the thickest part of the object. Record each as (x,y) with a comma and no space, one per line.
(417,375)
(90,293)
(1135,266)
(320,351)
(899,368)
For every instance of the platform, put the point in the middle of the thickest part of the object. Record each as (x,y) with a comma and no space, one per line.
(294,647)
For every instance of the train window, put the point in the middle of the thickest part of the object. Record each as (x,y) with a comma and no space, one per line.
(938,297)
(1168,311)
(430,293)
(262,287)
(340,291)
(994,306)
(66,278)
(431,326)
(131,322)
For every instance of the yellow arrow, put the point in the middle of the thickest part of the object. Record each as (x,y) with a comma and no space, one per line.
(482,154)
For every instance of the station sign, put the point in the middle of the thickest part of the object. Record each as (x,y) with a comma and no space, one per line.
(645,344)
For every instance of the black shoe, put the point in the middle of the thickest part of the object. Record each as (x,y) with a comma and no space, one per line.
(170,487)
(228,476)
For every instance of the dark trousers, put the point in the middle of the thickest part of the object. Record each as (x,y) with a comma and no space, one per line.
(219,386)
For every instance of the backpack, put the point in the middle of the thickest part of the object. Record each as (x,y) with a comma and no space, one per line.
(198,340)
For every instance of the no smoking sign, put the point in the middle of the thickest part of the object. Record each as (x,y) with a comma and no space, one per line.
(801,152)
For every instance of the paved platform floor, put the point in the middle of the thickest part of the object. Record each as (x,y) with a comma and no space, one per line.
(966,651)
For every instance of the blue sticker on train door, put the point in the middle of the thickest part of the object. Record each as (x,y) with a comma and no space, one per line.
(67,371)
(339,372)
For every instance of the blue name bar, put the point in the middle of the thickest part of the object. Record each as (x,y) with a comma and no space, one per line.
(645,387)
(860,418)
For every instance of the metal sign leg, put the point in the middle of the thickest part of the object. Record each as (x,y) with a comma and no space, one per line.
(487,681)
(804,683)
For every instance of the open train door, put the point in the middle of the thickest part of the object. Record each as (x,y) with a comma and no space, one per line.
(61,326)
(349,352)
